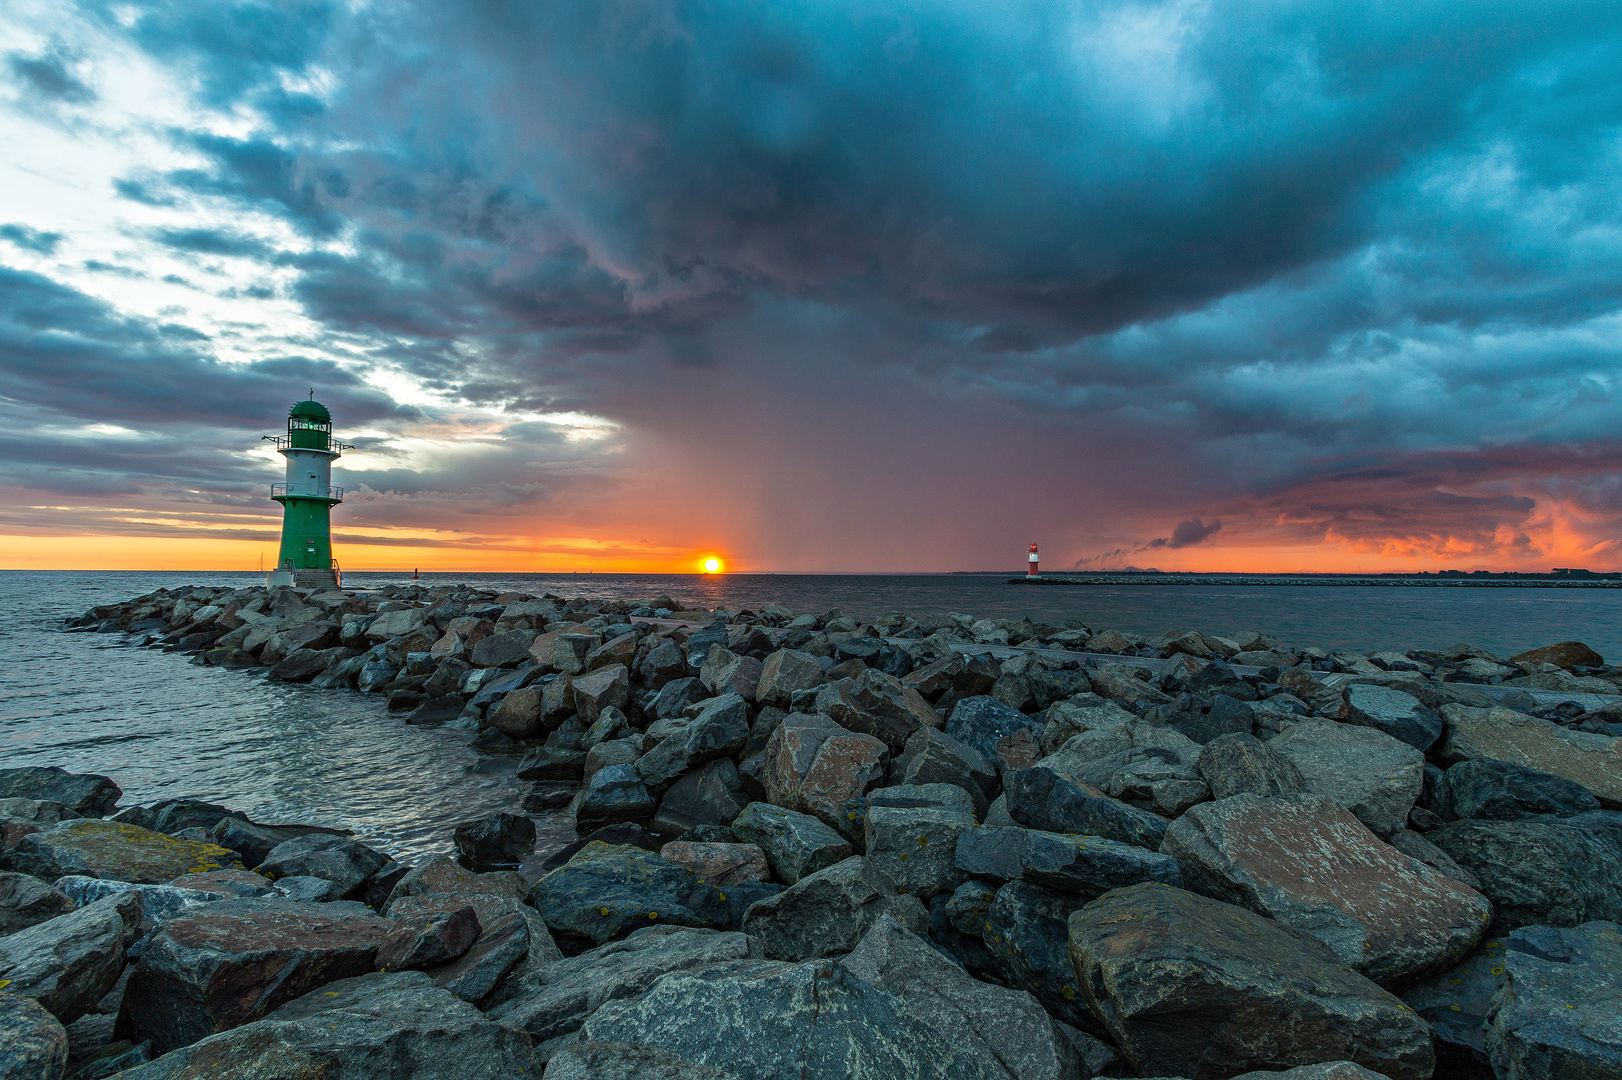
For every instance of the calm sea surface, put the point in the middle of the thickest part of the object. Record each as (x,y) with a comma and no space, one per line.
(162,727)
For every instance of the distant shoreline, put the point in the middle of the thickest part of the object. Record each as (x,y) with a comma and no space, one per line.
(1497,581)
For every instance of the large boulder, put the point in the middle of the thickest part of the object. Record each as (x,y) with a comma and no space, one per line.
(1376,777)
(617,793)
(725,672)
(1085,865)
(425,943)
(110,849)
(1087,712)
(795,844)
(27,901)
(1006,1028)
(718,864)
(1189,986)
(607,891)
(606,688)
(392,624)
(1026,934)
(911,834)
(1239,763)
(828,912)
(518,714)
(235,961)
(20,817)
(817,767)
(1505,791)
(1559,1012)
(784,672)
(1400,715)
(1555,871)
(719,730)
(331,858)
(86,794)
(442,884)
(1042,798)
(992,728)
(70,962)
(554,1000)
(764,1020)
(33,1043)
(877,704)
(1306,862)
(497,840)
(253,841)
(1565,654)
(711,794)
(380,1026)
(506,649)
(1594,761)
(498,949)
(934,757)
(1152,768)
(1456,1004)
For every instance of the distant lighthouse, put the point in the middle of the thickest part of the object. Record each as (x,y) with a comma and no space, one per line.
(1032,571)
(307,498)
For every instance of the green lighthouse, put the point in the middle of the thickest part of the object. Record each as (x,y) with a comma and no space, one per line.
(307,498)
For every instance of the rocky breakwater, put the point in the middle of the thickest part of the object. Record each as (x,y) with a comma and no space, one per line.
(812,845)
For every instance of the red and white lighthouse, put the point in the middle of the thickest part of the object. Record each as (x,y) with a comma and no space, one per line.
(1030,573)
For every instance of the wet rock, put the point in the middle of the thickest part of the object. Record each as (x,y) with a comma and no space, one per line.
(172,815)
(309,890)
(1328,1070)
(663,663)
(379,1026)
(1505,791)
(934,757)
(1399,715)
(614,793)
(817,767)
(499,949)
(554,763)
(876,704)
(68,963)
(784,672)
(1594,761)
(233,962)
(158,902)
(911,835)
(331,858)
(1321,699)
(1026,935)
(374,675)
(1006,1029)
(676,696)
(1041,798)
(1564,654)
(27,901)
(86,794)
(20,817)
(1388,916)
(305,664)
(796,845)
(33,1044)
(1553,871)
(725,672)
(711,794)
(1088,866)
(113,850)
(605,688)
(497,840)
(415,944)
(828,912)
(750,1019)
(1557,1013)
(719,730)
(518,715)
(1239,763)
(1375,776)
(606,892)
(569,652)
(1190,986)
(557,999)
(982,722)
(620,649)
(253,841)
(721,865)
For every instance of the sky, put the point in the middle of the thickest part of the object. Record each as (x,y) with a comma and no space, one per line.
(832,286)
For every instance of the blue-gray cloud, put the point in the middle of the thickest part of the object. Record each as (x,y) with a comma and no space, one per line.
(1251,254)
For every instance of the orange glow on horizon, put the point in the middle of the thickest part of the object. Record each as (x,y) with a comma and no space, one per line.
(711,565)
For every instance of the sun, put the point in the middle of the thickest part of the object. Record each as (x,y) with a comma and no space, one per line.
(712,566)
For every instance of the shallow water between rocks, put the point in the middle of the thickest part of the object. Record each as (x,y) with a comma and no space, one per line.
(162,727)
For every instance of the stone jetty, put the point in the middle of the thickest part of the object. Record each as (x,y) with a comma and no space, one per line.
(815,845)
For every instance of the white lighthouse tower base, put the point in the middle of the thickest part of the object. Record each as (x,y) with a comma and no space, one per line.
(279,578)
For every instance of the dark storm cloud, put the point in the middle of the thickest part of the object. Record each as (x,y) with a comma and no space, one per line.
(1261,259)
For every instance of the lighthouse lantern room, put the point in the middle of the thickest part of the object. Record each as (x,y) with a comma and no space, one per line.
(307,498)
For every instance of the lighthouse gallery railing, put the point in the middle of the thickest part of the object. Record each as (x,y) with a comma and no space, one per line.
(278,491)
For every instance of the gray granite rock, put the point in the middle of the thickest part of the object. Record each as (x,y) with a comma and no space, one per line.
(33,1043)
(1505,791)
(828,912)
(1088,866)
(795,844)
(1553,871)
(1376,777)
(1398,714)
(70,962)
(27,901)
(1239,763)
(1559,1012)
(1042,798)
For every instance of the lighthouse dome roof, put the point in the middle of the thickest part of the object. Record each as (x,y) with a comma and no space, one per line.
(310,410)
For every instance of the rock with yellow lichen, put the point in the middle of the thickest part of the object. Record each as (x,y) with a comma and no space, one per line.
(110,849)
